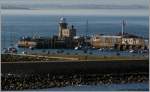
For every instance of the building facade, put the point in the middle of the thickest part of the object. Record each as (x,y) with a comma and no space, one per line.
(101,41)
(118,42)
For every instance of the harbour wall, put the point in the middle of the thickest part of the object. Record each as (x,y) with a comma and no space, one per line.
(70,67)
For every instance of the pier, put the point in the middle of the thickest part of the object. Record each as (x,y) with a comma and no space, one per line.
(72,64)
(27,75)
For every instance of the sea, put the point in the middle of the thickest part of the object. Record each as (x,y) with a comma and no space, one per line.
(13,27)
(110,87)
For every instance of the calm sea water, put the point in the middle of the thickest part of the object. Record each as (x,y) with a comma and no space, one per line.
(16,26)
(111,87)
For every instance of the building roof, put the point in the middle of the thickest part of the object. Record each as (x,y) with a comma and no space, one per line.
(127,35)
(62,20)
(107,36)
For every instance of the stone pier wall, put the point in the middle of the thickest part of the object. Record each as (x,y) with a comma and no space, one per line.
(76,67)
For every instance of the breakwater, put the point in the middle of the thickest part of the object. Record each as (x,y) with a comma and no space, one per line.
(65,67)
(40,81)
(48,74)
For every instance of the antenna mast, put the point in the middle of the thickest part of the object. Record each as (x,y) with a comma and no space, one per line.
(123,27)
(86,28)
(4,39)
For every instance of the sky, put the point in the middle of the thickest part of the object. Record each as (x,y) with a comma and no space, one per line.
(76,7)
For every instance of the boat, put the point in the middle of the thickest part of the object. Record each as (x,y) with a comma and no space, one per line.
(132,51)
(12,50)
(145,51)
(24,52)
(76,48)
(31,47)
(4,50)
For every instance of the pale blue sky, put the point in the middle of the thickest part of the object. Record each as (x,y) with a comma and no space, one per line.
(79,7)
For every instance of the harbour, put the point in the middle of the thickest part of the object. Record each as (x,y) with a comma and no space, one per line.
(16,37)
(53,63)
(68,39)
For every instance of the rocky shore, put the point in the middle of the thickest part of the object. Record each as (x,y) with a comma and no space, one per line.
(40,81)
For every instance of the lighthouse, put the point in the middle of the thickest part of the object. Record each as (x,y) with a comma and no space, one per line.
(66,31)
(62,26)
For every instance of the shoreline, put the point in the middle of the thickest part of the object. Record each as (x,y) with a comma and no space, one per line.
(24,75)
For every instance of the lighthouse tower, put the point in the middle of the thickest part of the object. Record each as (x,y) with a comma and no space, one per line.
(66,31)
(62,26)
